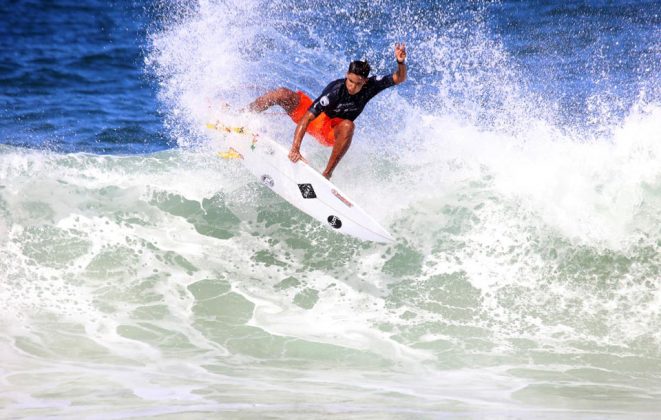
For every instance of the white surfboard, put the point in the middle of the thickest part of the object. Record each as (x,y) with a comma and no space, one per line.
(298,183)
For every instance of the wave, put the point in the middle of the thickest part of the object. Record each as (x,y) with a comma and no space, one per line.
(178,255)
(477,211)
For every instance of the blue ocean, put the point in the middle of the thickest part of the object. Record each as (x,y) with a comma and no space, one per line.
(518,168)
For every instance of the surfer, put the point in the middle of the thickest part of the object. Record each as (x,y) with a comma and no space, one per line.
(330,117)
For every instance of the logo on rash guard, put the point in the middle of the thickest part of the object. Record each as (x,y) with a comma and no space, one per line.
(324,100)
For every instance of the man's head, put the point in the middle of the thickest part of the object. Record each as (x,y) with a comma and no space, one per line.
(357,76)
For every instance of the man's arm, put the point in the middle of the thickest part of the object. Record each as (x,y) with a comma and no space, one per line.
(295,151)
(400,55)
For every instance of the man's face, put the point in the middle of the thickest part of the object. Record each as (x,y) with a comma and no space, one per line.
(355,83)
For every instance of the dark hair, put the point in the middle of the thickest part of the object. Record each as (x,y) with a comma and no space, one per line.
(361,68)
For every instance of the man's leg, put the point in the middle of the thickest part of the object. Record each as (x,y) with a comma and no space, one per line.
(343,135)
(284,97)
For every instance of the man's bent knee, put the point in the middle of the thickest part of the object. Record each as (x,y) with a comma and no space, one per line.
(286,98)
(346,127)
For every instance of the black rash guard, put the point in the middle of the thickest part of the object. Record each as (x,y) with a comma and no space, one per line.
(336,102)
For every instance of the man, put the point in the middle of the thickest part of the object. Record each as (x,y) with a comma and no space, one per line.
(330,117)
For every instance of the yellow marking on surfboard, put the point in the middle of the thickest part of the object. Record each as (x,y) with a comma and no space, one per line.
(230,154)
(228,128)
(235,130)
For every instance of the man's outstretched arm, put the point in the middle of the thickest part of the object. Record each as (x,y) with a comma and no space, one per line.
(400,55)
(295,151)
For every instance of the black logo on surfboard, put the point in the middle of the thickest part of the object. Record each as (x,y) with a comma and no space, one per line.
(307,191)
(334,221)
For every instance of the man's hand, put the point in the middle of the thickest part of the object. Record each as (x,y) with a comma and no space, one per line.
(295,151)
(400,52)
(295,155)
(400,55)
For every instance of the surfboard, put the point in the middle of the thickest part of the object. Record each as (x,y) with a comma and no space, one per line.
(298,183)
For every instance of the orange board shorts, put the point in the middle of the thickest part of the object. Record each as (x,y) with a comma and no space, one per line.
(322,127)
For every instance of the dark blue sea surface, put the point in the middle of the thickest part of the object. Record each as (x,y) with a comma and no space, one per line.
(73,78)
(574,52)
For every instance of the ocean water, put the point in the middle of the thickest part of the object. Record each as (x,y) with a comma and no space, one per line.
(519,169)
